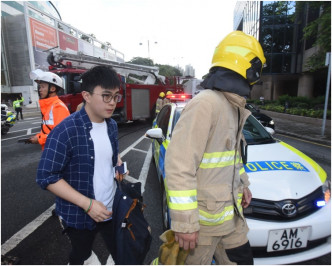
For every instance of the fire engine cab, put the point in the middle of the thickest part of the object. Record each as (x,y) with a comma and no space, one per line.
(139,99)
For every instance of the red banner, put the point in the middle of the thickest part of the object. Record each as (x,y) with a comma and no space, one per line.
(43,36)
(68,42)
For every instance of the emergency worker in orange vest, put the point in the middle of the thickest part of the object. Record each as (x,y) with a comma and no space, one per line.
(52,108)
(208,187)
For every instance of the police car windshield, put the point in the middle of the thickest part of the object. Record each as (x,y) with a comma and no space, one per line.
(253,131)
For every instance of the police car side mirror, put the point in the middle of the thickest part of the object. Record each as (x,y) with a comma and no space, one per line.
(155,133)
(270,130)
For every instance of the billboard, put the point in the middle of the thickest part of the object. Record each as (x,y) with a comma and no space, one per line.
(43,38)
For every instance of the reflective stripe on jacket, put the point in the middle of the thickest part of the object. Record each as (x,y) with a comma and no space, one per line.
(204,171)
(53,112)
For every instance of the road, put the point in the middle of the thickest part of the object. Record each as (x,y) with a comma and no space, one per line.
(28,230)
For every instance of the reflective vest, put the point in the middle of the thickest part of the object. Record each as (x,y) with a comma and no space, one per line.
(204,171)
(17,103)
(53,112)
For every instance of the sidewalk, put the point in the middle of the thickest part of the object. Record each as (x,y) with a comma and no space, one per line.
(302,127)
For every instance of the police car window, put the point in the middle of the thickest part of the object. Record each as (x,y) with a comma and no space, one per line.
(255,133)
(177,114)
(163,118)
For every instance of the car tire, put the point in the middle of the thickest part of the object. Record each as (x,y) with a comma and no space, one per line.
(164,207)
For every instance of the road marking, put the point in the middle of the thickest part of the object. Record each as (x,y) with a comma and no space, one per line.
(25,231)
(29,131)
(311,142)
(12,242)
(131,146)
(145,169)
(14,137)
(139,150)
(20,130)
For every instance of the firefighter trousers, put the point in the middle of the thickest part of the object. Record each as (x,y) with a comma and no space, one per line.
(233,248)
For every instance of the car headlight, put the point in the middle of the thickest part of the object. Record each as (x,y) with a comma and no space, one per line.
(326,188)
(271,122)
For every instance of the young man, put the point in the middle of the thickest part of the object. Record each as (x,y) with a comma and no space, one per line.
(78,162)
(52,108)
(208,187)
(18,107)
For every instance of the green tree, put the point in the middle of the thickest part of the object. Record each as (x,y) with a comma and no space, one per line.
(320,30)
(141,61)
(168,71)
(165,70)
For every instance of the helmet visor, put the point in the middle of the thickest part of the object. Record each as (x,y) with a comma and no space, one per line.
(255,71)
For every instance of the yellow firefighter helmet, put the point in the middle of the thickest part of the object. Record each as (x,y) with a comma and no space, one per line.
(241,53)
(162,94)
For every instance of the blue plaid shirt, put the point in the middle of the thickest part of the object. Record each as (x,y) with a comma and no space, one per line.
(69,155)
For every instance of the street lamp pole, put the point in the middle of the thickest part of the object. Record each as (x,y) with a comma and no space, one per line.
(148,47)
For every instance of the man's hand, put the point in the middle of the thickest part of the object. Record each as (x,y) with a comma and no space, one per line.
(246,198)
(34,140)
(98,211)
(187,240)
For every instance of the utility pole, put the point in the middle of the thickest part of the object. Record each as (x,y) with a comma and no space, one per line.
(327,63)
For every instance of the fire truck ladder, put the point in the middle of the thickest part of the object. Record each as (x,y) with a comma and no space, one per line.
(81,60)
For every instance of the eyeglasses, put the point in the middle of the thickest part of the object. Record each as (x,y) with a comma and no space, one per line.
(109,97)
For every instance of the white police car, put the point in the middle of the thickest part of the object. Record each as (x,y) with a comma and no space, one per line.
(290,214)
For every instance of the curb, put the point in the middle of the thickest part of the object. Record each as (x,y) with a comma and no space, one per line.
(305,137)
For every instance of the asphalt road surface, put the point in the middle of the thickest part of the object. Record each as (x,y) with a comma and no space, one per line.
(29,232)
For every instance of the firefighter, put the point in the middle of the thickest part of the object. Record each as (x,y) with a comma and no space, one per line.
(53,110)
(167,100)
(159,102)
(208,187)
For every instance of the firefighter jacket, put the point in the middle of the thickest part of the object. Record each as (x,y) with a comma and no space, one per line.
(205,176)
(159,105)
(53,112)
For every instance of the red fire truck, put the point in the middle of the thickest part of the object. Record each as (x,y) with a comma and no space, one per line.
(139,99)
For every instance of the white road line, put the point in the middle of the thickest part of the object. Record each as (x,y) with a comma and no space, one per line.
(139,150)
(145,169)
(15,137)
(29,131)
(10,132)
(25,231)
(31,227)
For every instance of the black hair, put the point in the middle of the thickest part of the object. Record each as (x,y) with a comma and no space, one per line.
(103,76)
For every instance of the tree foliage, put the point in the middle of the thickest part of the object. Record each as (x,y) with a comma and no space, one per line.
(165,70)
(141,61)
(320,30)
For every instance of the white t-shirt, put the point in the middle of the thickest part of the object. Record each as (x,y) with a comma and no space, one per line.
(103,177)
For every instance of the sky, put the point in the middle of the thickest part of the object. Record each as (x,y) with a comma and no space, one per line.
(179,32)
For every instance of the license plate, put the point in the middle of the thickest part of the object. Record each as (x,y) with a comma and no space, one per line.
(291,238)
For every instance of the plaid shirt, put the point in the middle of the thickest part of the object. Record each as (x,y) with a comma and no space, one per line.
(69,155)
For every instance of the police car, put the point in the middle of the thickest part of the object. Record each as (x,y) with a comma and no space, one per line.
(290,213)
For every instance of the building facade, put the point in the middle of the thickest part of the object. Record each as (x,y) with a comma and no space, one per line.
(278,25)
(29,31)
